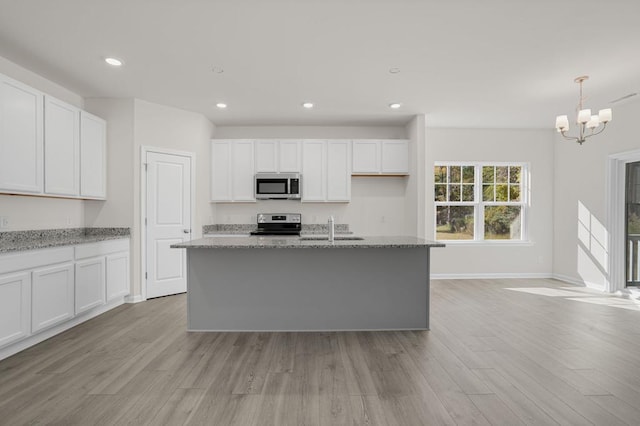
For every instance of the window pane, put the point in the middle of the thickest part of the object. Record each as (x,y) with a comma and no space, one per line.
(514,192)
(467,192)
(454,222)
(487,193)
(468,174)
(440,174)
(454,192)
(502,223)
(441,193)
(514,174)
(502,192)
(502,173)
(454,174)
(487,174)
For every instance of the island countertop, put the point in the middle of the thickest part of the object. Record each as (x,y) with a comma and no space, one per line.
(288,242)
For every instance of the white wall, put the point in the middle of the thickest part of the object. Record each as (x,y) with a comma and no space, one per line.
(25,212)
(378,204)
(580,203)
(532,146)
(133,123)
(159,126)
(117,210)
(415,195)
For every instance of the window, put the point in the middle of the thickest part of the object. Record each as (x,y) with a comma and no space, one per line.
(480,201)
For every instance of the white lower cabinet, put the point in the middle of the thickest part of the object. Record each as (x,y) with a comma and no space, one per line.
(52,296)
(44,292)
(15,307)
(117,275)
(90,284)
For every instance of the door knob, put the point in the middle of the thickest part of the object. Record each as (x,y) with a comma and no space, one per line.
(186,231)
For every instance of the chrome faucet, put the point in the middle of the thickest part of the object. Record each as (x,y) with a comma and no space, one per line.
(331,226)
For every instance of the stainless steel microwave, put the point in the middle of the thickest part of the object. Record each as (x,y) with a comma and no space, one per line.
(278,186)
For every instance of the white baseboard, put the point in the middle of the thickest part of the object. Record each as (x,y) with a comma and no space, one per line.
(134,299)
(487,276)
(50,332)
(577,281)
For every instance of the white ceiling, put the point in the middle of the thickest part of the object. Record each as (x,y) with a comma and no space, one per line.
(473,63)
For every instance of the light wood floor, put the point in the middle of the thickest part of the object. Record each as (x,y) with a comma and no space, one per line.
(499,352)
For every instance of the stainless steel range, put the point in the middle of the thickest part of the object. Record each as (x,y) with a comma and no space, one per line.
(278,224)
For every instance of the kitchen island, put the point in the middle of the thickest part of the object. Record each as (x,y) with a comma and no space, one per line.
(296,284)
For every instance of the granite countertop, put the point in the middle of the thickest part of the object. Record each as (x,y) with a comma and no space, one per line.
(12,241)
(244,229)
(297,242)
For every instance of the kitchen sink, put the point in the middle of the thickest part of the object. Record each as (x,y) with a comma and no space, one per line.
(324,238)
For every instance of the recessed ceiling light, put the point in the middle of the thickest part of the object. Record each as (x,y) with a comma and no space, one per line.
(114,61)
(221,105)
(394,70)
(395,105)
(308,105)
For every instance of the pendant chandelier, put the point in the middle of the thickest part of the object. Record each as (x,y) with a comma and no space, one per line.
(588,125)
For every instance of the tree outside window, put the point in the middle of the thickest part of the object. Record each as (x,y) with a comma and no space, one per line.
(479,202)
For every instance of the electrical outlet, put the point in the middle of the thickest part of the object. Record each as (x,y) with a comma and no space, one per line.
(382,219)
(69,222)
(4,222)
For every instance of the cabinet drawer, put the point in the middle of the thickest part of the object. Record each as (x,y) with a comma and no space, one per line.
(34,258)
(84,251)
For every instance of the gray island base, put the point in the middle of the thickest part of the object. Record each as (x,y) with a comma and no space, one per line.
(276,284)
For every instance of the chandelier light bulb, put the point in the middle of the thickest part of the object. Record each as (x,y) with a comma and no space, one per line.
(584,115)
(605,115)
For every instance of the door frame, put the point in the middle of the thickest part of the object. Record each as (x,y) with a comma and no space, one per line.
(615,219)
(143,204)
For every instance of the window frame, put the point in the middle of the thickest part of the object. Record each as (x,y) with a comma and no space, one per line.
(479,204)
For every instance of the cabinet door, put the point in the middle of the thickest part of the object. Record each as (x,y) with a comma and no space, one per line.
(266,156)
(90,284)
(21,150)
(366,156)
(52,296)
(61,148)
(93,156)
(314,157)
(395,157)
(117,275)
(15,307)
(221,171)
(242,171)
(338,171)
(289,157)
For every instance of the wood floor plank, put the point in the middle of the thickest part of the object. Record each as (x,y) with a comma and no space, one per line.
(499,352)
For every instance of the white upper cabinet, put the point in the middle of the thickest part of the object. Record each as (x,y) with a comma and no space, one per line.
(221,171)
(232,171)
(314,170)
(242,176)
(395,157)
(61,148)
(93,156)
(48,147)
(338,170)
(380,157)
(273,156)
(21,139)
(366,156)
(289,156)
(266,156)
(326,171)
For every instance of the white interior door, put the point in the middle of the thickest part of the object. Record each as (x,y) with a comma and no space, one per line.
(168,222)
